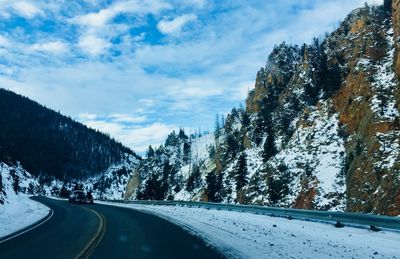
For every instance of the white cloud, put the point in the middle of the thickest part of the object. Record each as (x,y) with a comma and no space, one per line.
(98,19)
(4,42)
(26,9)
(87,116)
(175,25)
(54,47)
(101,18)
(127,118)
(97,27)
(137,138)
(93,45)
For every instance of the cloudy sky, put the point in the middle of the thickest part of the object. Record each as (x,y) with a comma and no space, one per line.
(137,69)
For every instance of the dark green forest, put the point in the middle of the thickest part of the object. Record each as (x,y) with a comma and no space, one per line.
(49,144)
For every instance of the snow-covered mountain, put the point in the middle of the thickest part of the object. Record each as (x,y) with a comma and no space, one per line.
(108,184)
(320,130)
(174,170)
(53,150)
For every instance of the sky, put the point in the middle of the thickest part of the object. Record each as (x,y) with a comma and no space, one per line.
(139,69)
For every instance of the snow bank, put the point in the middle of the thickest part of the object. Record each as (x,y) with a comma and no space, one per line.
(244,235)
(18,211)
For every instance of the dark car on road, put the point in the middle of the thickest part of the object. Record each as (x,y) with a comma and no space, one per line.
(89,197)
(80,197)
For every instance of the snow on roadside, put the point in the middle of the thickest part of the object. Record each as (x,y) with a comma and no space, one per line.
(18,211)
(245,235)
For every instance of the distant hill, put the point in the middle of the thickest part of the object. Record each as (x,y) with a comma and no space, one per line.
(48,144)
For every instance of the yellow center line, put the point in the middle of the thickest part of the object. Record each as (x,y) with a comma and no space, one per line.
(94,242)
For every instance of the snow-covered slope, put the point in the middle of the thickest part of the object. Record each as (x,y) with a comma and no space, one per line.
(110,184)
(16,209)
(176,170)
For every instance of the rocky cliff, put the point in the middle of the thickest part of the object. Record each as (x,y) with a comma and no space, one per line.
(320,129)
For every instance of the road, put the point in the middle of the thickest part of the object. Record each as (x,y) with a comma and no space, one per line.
(100,231)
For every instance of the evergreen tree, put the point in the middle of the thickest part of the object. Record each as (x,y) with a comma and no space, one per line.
(217,129)
(186,152)
(194,179)
(214,186)
(182,134)
(172,140)
(241,172)
(211,189)
(263,120)
(387,5)
(245,119)
(64,193)
(233,145)
(153,189)
(15,182)
(270,149)
(278,184)
(257,186)
(150,152)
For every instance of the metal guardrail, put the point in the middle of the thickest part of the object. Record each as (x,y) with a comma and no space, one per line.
(339,218)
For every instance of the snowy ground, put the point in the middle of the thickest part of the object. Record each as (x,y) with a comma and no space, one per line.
(20,212)
(244,235)
(17,210)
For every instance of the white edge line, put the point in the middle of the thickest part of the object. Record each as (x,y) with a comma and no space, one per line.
(29,229)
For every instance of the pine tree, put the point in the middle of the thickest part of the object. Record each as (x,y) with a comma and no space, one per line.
(270,149)
(257,187)
(233,145)
(217,129)
(240,175)
(214,187)
(211,189)
(172,139)
(387,5)
(150,152)
(182,134)
(186,152)
(16,181)
(64,193)
(194,179)
(241,172)
(245,119)
(278,184)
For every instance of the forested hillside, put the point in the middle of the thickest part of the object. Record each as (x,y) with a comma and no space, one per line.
(48,144)
(319,131)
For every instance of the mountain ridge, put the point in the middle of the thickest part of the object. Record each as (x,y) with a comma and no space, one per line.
(320,129)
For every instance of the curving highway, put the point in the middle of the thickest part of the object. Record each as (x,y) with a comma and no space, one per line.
(100,231)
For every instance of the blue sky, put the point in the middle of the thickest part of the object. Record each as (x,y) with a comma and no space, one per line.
(140,69)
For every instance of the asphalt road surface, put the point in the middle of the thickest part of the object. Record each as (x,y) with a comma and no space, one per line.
(100,231)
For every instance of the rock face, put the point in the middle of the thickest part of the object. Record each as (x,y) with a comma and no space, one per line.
(368,108)
(396,26)
(320,129)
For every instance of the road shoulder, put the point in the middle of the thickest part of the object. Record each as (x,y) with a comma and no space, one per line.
(21,214)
